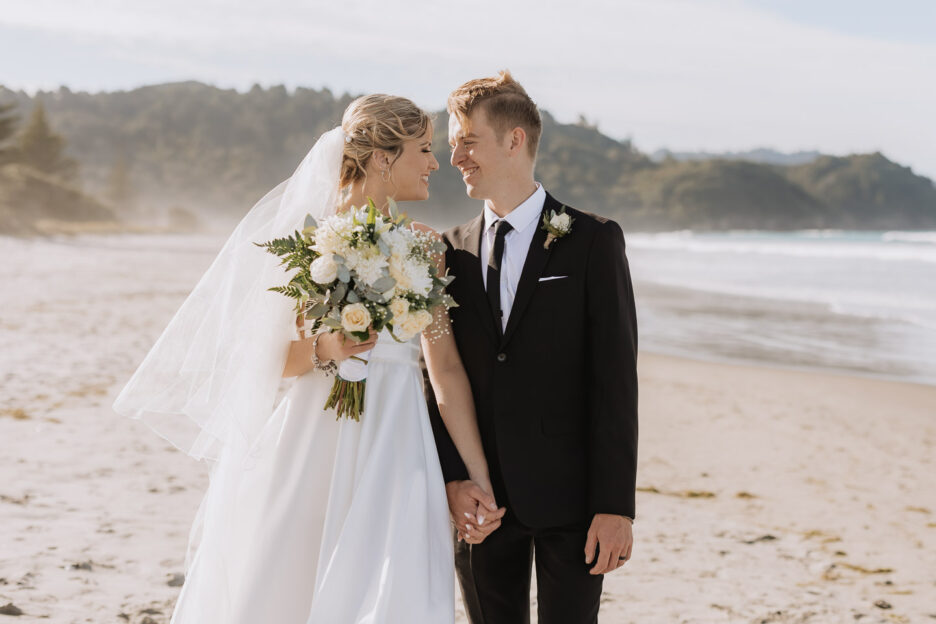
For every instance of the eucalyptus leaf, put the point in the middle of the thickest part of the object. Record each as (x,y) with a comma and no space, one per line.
(384,284)
(352,297)
(318,310)
(360,336)
(344,274)
(339,259)
(384,247)
(331,323)
(338,294)
(310,222)
(376,297)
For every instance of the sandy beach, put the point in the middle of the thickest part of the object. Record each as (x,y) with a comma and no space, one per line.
(766,495)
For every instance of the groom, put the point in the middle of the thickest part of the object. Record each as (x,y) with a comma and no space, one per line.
(547,333)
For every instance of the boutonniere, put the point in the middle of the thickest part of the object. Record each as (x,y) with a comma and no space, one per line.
(557,225)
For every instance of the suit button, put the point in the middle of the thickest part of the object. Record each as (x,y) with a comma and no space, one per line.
(501,357)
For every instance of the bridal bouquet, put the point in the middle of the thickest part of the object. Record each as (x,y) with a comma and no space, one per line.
(360,270)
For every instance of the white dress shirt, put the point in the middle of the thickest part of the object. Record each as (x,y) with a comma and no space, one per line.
(524,219)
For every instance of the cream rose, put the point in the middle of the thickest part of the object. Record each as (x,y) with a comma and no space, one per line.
(403,336)
(399,307)
(324,270)
(355,317)
(561,221)
(409,326)
(425,319)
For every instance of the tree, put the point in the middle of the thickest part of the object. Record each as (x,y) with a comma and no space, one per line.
(42,149)
(8,121)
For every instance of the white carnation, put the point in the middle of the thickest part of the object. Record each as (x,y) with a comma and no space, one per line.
(411,275)
(324,270)
(399,243)
(369,266)
(419,278)
(398,272)
(330,237)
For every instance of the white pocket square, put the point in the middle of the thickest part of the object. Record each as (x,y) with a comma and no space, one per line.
(552,277)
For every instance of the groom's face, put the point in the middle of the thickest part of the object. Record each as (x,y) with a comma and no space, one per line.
(478,154)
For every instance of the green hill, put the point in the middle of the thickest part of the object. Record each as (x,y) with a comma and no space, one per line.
(721,194)
(871,191)
(192,148)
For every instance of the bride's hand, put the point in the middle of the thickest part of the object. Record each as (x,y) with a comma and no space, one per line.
(336,346)
(474,509)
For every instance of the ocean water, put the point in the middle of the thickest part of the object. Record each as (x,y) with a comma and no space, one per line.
(852,301)
(857,302)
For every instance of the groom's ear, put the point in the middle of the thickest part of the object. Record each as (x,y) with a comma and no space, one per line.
(518,140)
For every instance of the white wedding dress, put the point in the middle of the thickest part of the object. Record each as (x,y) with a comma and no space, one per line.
(329,522)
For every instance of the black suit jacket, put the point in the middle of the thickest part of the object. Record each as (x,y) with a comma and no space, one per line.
(556,397)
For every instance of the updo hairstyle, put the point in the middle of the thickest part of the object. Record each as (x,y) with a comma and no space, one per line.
(378,122)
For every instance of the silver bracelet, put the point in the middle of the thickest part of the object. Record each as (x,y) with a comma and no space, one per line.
(328,367)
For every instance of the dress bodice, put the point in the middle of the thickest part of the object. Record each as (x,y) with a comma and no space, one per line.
(389,350)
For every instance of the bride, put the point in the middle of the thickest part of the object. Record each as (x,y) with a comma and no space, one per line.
(309,519)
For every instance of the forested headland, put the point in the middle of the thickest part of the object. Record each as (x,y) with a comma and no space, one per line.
(188,155)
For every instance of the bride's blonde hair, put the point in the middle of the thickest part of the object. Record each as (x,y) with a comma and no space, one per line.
(378,122)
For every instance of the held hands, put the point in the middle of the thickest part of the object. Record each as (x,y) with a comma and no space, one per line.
(614,538)
(336,346)
(474,510)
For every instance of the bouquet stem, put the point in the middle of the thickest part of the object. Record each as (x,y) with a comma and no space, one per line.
(347,397)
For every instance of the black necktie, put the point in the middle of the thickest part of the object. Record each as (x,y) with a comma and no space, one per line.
(493,272)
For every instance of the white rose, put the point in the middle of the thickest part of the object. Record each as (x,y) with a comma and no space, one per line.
(425,319)
(561,221)
(409,326)
(324,270)
(399,307)
(355,317)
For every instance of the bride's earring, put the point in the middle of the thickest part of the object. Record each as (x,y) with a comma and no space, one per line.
(385,175)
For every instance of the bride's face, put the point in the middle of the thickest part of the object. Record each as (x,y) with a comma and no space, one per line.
(410,172)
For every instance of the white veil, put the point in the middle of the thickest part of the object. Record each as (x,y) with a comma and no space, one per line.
(212,377)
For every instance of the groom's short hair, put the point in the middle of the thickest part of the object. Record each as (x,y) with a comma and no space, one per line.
(505,102)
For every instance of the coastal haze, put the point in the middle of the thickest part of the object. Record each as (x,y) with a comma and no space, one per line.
(772,172)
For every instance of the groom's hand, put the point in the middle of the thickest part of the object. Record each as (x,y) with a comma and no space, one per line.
(614,538)
(474,511)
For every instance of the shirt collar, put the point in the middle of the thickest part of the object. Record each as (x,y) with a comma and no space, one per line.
(524,215)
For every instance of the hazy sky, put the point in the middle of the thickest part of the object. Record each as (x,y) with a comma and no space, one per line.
(835,75)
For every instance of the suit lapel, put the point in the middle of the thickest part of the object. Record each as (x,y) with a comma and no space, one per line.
(533,266)
(471,274)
